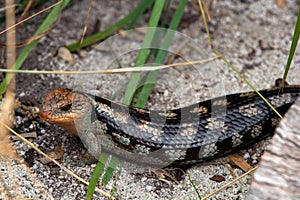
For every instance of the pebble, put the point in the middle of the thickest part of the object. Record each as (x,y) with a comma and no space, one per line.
(149,188)
(143,179)
(246,156)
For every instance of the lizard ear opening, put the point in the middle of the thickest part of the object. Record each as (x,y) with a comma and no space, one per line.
(66,107)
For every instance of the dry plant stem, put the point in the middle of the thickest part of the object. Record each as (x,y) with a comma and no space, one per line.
(7,107)
(54,161)
(204,21)
(112,71)
(206,10)
(26,10)
(12,26)
(86,21)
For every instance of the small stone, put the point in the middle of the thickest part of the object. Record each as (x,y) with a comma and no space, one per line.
(166,93)
(143,179)
(148,188)
(22,94)
(246,156)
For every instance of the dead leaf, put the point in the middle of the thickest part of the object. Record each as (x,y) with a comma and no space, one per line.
(217,178)
(281,3)
(240,162)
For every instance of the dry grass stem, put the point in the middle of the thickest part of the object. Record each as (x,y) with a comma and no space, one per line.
(111,71)
(7,107)
(86,21)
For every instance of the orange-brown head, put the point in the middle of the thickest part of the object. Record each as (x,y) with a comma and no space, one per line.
(58,107)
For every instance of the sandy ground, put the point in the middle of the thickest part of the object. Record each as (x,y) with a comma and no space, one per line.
(254,36)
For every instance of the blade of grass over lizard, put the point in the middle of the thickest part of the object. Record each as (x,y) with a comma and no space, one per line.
(143,57)
(131,17)
(157,7)
(49,20)
(110,170)
(293,47)
(151,76)
(96,175)
(114,190)
(143,54)
(113,163)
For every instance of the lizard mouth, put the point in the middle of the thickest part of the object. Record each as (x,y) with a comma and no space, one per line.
(66,121)
(49,116)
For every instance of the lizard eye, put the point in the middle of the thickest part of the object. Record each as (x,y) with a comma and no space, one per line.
(66,107)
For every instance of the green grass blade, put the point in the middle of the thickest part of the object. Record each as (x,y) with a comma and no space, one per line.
(144,4)
(166,13)
(151,77)
(194,186)
(132,16)
(293,48)
(110,170)
(114,160)
(113,190)
(46,25)
(143,54)
(96,175)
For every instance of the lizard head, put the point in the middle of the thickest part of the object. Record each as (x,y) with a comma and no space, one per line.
(64,107)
